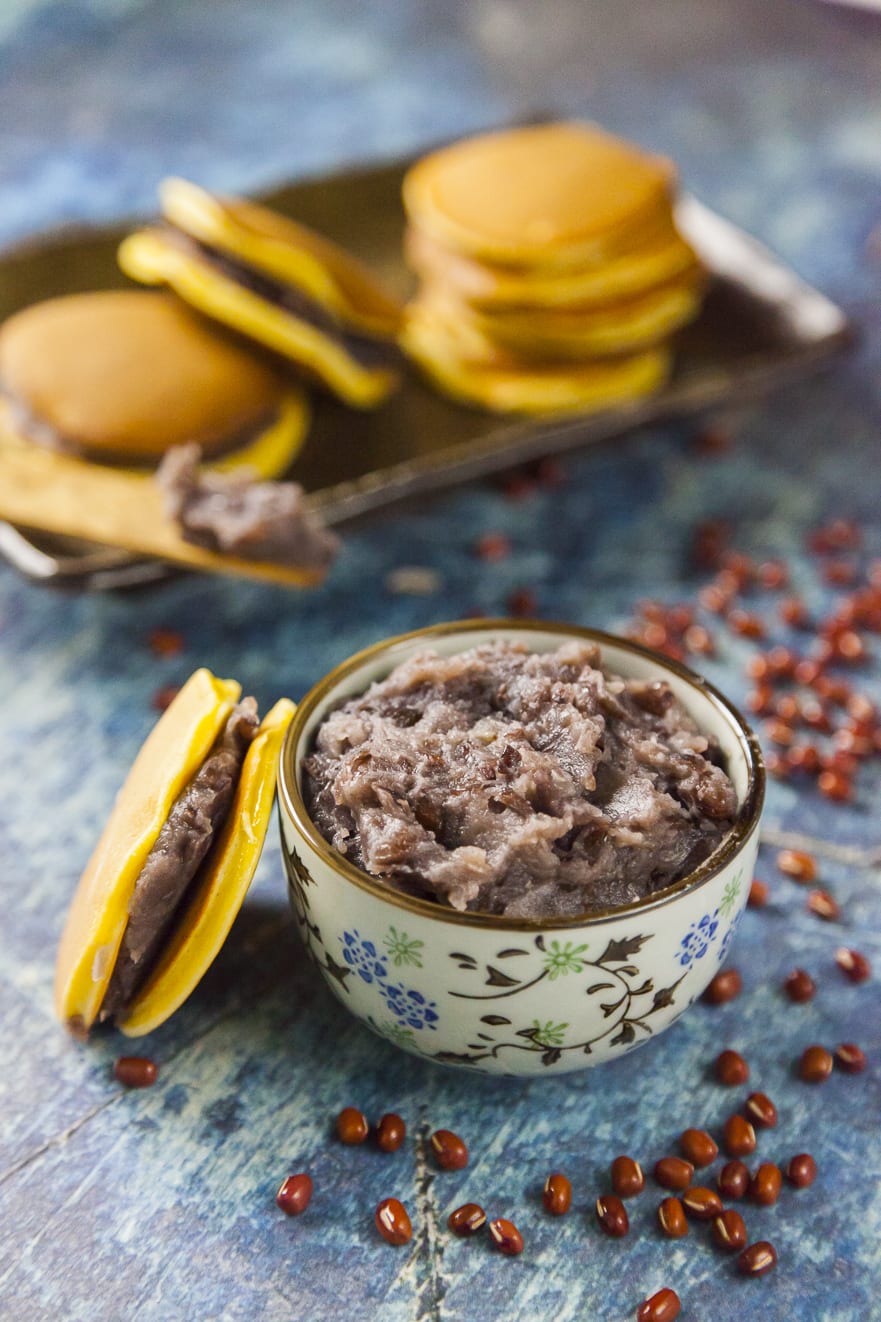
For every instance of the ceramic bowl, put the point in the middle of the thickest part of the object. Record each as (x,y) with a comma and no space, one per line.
(504,995)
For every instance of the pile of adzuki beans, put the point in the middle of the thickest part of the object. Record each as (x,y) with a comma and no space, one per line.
(816,723)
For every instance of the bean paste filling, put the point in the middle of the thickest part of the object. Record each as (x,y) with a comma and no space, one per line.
(532,785)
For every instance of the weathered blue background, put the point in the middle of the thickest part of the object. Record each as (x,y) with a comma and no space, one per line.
(160,1204)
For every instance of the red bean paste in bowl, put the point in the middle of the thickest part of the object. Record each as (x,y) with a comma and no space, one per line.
(504,781)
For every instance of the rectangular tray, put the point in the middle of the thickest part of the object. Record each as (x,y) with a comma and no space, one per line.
(760,325)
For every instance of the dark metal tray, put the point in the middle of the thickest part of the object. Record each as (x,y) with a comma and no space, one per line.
(760,325)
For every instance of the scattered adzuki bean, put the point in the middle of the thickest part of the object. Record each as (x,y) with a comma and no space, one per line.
(467,1220)
(773,575)
(759,893)
(672,1218)
(673,1173)
(701,1203)
(804,758)
(729,1231)
(822,905)
(799,986)
(815,1064)
(854,966)
(392,1222)
(798,865)
(135,1071)
(166,642)
(506,1236)
(493,546)
(779,732)
(557,1194)
(793,612)
(765,1185)
(835,785)
(352,1126)
(760,1110)
(390,1132)
(760,700)
(738,1136)
(733,1179)
(627,1177)
(850,1058)
(294,1194)
(449,1150)
(746,624)
(801,1170)
(698,1147)
(724,987)
(612,1215)
(662,1306)
(164,697)
(731,1069)
(522,601)
(757,1259)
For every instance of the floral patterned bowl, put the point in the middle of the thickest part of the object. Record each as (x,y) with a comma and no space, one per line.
(505,995)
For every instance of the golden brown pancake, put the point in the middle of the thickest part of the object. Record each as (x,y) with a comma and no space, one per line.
(550,196)
(124,375)
(665,257)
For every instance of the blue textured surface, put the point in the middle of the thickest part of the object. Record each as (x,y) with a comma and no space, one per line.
(160,1204)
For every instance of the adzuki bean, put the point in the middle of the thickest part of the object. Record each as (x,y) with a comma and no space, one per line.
(506,1236)
(765,1185)
(612,1215)
(672,1218)
(135,1071)
(673,1173)
(759,894)
(802,1170)
(799,986)
(294,1194)
(738,1137)
(815,1064)
(467,1220)
(850,1058)
(853,965)
(701,1203)
(392,1222)
(798,865)
(731,1069)
(729,1231)
(724,987)
(757,1259)
(390,1132)
(449,1150)
(352,1126)
(627,1177)
(663,1306)
(760,1110)
(557,1194)
(733,1179)
(822,905)
(698,1147)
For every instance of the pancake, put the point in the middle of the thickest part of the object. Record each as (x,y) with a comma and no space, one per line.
(663,258)
(539,335)
(549,197)
(274,282)
(538,389)
(123,376)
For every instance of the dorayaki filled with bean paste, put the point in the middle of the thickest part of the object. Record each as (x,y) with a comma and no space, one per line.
(175,860)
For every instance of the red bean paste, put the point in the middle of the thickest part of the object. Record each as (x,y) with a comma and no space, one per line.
(505,781)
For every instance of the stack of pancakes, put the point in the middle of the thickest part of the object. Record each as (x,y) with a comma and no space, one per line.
(552,275)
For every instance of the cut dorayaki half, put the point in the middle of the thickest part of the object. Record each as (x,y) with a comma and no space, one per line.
(181,744)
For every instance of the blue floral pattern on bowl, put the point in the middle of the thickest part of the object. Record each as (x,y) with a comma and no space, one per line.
(409,1007)
(362,957)
(698,939)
